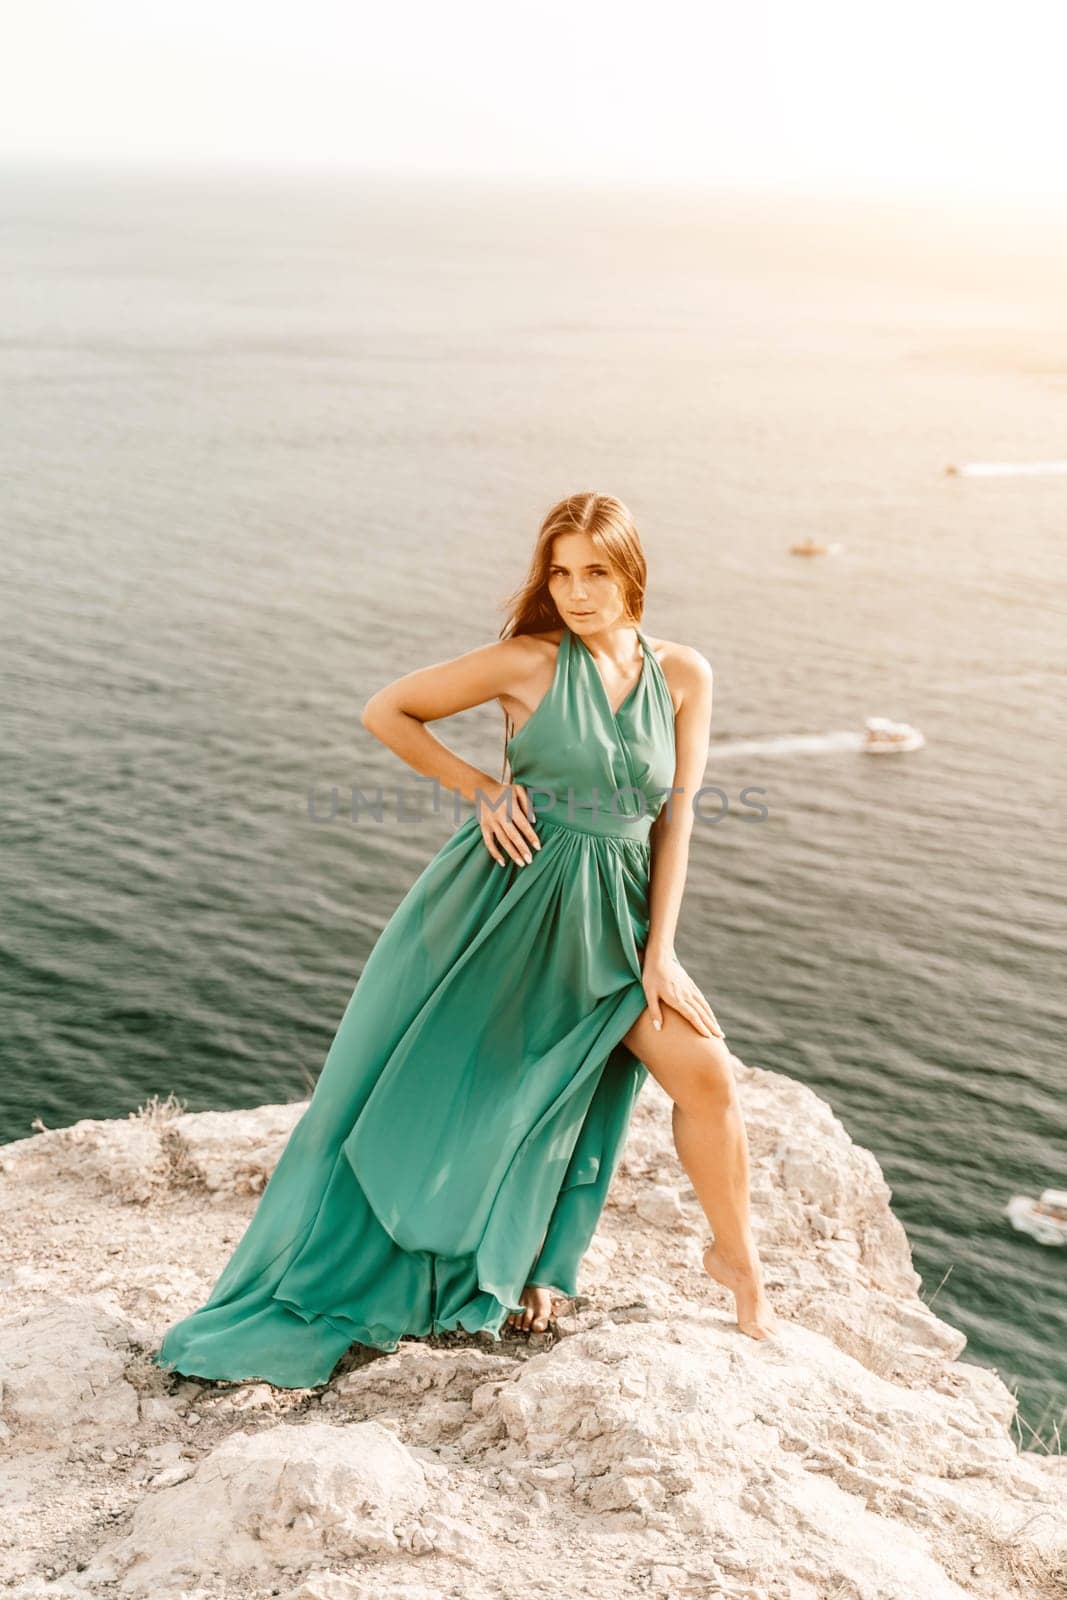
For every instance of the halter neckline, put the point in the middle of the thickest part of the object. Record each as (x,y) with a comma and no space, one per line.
(571,665)
(628,696)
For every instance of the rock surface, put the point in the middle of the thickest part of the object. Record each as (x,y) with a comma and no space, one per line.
(643,1446)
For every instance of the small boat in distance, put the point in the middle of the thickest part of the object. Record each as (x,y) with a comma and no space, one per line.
(884,737)
(1045,1219)
(812,547)
(1005,469)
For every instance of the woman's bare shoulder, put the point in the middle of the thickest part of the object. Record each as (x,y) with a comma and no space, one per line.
(531,659)
(531,648)
(529,645)
(546,636)
(684,666)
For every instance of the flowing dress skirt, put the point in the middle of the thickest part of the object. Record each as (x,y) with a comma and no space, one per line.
(474,1102)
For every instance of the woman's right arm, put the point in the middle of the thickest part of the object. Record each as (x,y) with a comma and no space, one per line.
(398,714)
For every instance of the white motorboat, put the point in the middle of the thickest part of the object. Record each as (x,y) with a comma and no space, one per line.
(1044,1219)
(812,547)
(885,737)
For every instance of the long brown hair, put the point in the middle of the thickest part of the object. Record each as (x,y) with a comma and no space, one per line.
(531,609)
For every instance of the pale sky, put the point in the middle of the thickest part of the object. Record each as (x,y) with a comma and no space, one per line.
(840,95)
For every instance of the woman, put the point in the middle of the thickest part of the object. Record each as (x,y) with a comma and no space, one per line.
(455,1157)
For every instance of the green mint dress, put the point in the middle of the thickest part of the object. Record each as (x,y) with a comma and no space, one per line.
(473,1104)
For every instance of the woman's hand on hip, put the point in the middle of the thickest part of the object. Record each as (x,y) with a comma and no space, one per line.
(506,822)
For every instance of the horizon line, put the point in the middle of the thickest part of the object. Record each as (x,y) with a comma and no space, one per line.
(881,190)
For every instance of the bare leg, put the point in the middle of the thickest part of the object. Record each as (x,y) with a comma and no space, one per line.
(710,1138)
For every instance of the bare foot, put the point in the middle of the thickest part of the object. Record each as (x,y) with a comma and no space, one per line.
(538,1309)
(754,1314)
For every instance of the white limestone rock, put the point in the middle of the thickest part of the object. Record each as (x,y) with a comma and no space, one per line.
(241,1165)
(287,1497)
(62,1374)
(156,1148)
(644,1446)
(786,1450)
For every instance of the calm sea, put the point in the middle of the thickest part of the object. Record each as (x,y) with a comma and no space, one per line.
(268,443)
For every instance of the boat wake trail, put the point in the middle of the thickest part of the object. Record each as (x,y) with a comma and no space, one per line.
(1006,469)
(788,744)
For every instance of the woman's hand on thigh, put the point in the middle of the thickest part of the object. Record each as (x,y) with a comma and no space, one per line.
(666,983)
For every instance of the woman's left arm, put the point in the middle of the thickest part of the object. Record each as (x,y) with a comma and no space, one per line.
(665,980)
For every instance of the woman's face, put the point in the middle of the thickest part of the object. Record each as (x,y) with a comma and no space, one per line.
(583,584)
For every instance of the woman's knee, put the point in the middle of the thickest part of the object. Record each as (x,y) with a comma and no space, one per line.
(695,1070)
(709,1083)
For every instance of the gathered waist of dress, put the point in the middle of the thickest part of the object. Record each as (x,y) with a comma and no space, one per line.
(606,826)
